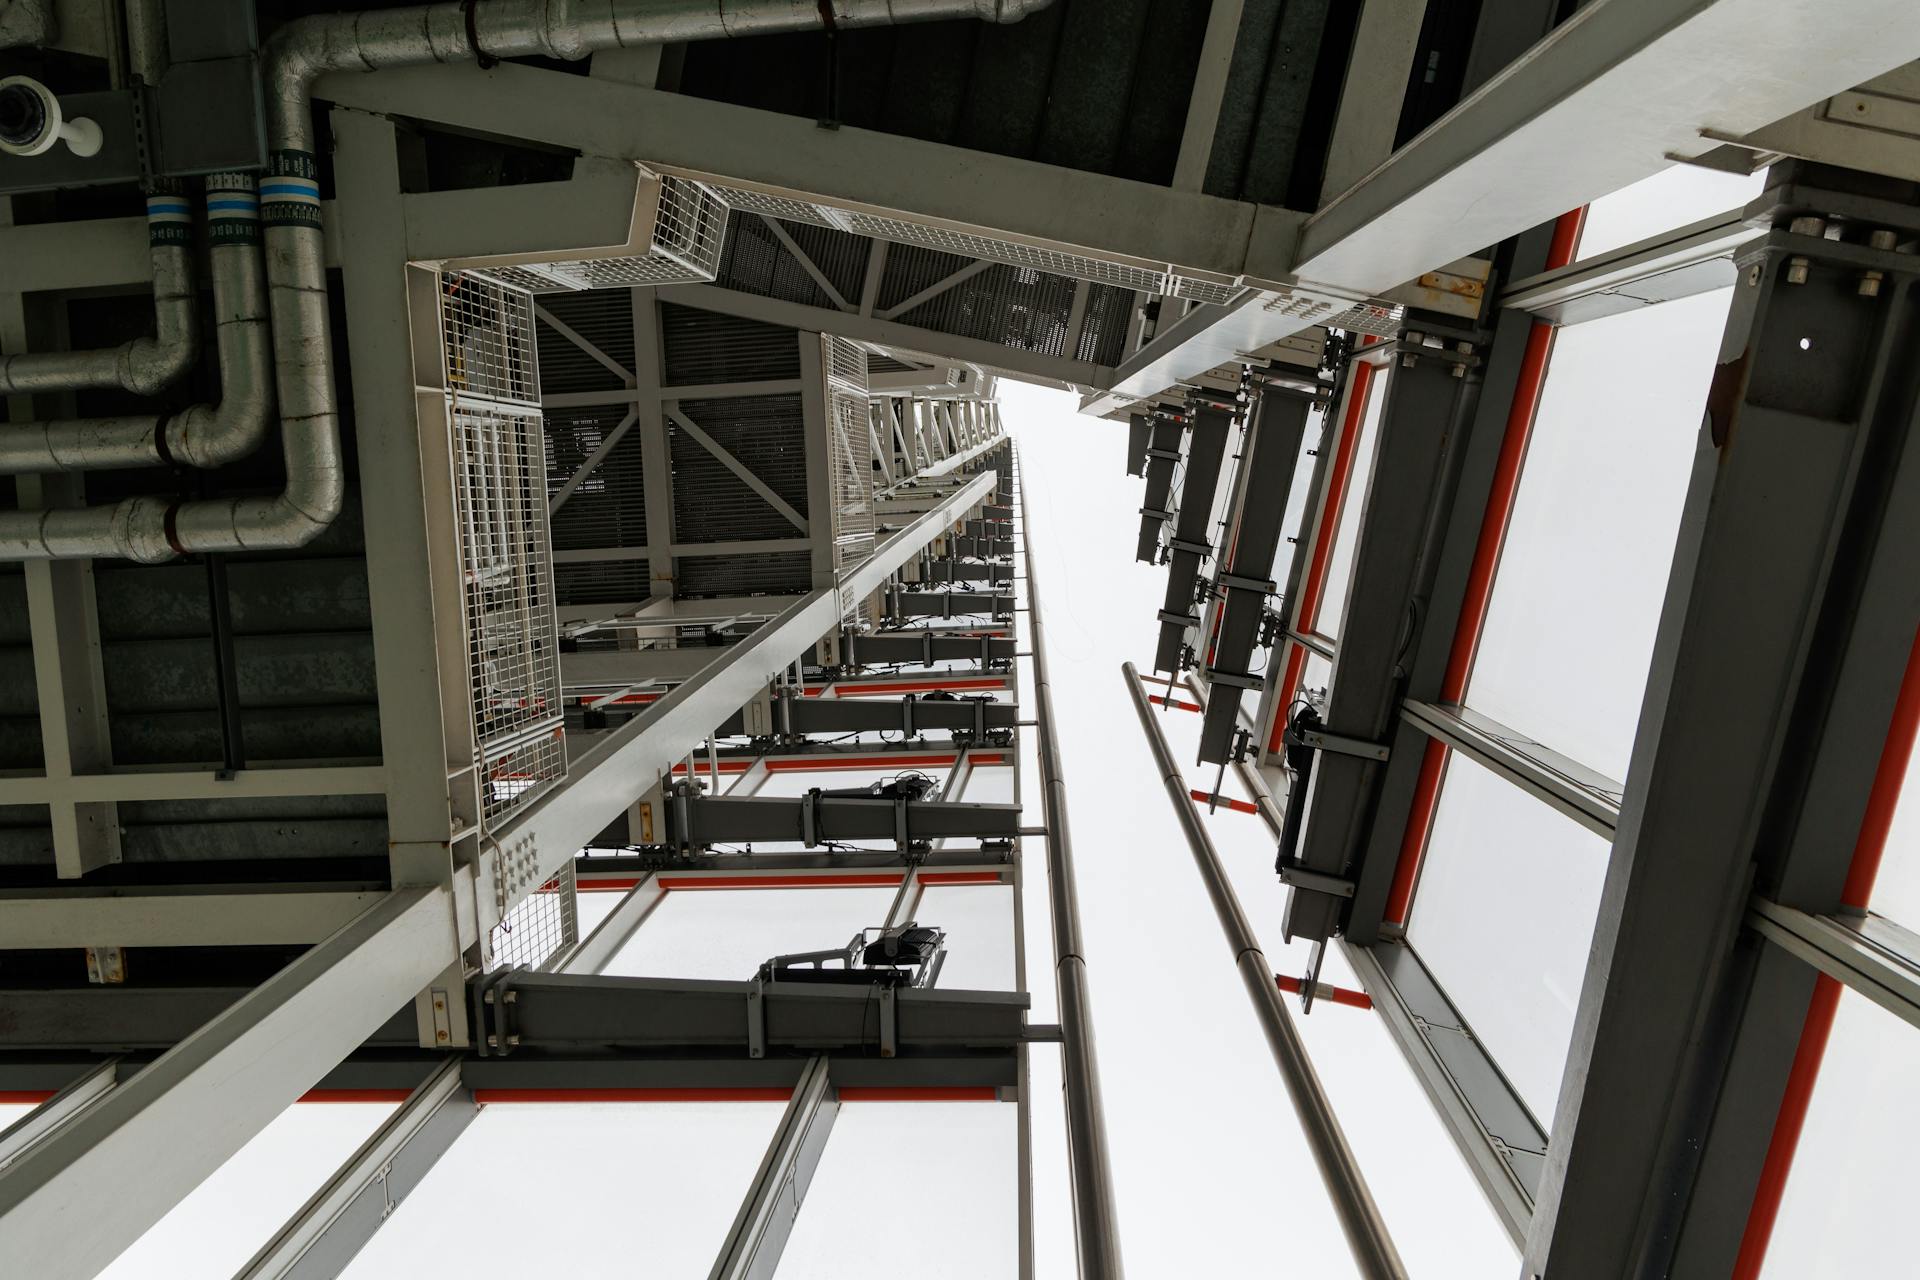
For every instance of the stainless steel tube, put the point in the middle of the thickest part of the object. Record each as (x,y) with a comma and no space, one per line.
(1096,1227)
(144,366)
(1359,1216)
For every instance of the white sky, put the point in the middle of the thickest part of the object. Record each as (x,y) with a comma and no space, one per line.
(1211,1174)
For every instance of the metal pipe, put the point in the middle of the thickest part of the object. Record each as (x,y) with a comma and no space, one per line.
(205,435)
(1095,1223)
(1360,1218)
(144,366)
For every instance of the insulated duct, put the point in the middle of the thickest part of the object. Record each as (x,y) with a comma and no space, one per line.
(143,366)
(152,529)
(206,435)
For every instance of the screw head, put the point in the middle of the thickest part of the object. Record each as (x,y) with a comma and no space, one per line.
(1807,225)
(1797,270)
(1870,284)
(1753,274)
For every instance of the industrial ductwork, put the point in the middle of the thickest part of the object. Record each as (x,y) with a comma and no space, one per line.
(206,435)
(144,366)
(297,55)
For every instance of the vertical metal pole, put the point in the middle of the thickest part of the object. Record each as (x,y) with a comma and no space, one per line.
(1360,1218)
(1095,1227)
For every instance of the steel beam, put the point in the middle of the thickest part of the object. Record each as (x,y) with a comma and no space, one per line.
(1423,431)
(1245,583)
(321,1240)
(1163,453)
(1498,1138)
(178,916)
(1587,796)
(41,1123)
(815,820)
(615,771)
(1366,1231)
(1771,677)
(1096,1222)
(191,1111)
(1191,543)
(759,1234)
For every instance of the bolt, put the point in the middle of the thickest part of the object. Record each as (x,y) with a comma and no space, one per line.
(1753,274)
(1797,270)
(1807,225)
(1406,361)
(1870,284)
(1882,239)
(441,1036)
(1459,371)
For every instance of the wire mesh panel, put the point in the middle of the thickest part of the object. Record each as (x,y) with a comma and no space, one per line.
(500,476)
(541,924)
(689,228)
(849,448)
(488,329)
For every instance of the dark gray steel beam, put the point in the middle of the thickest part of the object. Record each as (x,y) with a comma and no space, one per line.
(1804,496)
(1163,454)
(625,866)
(951,569)
(926,647)
(860,715)
(817,820)
(949,604)
(1422,431)
(1267,461)
(1190,545)
(1139,436)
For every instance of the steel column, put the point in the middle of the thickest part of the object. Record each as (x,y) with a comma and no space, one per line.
(759,1235)
(1366,1230)
(1097,1227)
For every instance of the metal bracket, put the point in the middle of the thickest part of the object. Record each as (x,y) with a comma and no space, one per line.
(1235,679)
(1197,548)
(1318,881)
(889,1028)
(1179,619)
(757,1020)
(1265,586)
(1344,746)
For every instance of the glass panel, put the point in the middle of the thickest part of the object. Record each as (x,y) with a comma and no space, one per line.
(1570,626)
(1848,1206)
(1504,914)
(644,1190)
(1333,592)
(593,906)
(924,1190)
(217,1228)
(1896,891)
(978,919)
(1671,198)
(728,933)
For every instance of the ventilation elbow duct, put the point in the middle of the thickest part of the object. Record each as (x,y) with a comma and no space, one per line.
(206,435)
(144,366)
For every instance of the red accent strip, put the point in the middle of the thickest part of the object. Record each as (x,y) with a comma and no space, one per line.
(960,877)
(356,1095)
(24,1097)
(1238,806)
(927,1093)
(775,1094)
(1338,995)
(838,880)
(1175,703)
(611,884)
(1868,849)
(1521,414)
(1786,1129)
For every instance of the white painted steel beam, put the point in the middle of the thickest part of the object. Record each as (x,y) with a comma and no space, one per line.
(1616,93)
(177,916)
(72,1204)
(606,778)
(760,1230)
(41,1123)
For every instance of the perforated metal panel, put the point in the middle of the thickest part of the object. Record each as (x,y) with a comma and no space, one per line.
(689,228)
(500,472)
(488,330)
(539,926)
(849,449)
